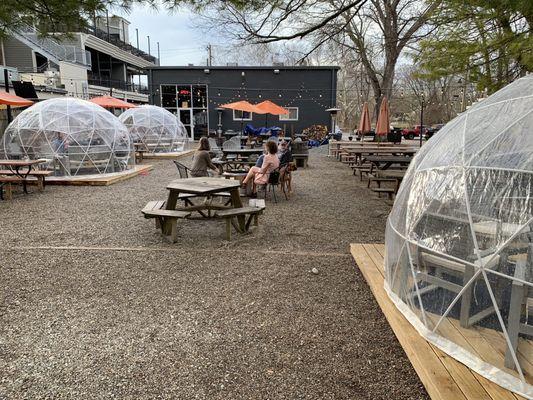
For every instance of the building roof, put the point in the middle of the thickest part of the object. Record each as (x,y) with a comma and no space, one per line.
(246,67)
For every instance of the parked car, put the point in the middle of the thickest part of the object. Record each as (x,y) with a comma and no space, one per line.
(411,133)
(432,130)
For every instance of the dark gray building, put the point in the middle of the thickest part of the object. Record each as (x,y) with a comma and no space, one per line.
(194,93)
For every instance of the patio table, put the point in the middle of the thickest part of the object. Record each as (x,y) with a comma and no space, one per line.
(22,168)
(385,162)
(205,187)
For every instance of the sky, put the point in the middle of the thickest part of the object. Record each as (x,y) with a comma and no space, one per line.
(179,42)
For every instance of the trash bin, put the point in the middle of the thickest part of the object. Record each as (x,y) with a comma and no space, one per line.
(395,135)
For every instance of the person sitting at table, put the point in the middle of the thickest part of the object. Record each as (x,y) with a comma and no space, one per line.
(202,159)
(284,154)
(259,176)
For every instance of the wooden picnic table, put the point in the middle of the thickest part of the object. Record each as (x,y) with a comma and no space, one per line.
(385,162)
(22,168)
(242,152)
(205,187)
(357,153)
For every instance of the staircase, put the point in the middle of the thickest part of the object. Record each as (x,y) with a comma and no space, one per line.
(51,48)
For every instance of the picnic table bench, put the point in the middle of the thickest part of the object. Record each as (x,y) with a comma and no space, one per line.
(167,213)
(21,172)
(252,211)
(381,176)
(166,220)
(384,161)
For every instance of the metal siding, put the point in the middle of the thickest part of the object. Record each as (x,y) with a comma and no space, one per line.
(18,55)
(288,83)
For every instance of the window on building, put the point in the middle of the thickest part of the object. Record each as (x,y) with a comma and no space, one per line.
(168,96)
(242,115)
(291,116)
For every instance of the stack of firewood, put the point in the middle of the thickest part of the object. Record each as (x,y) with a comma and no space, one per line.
(316,132)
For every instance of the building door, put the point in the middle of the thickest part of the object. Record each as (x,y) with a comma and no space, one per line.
(189,104)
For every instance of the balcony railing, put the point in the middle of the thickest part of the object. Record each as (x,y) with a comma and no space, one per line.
(117,84)
(61,52)
(115,40)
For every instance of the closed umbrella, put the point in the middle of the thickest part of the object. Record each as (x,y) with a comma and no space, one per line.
(383,124)
(364,122)
(111,102)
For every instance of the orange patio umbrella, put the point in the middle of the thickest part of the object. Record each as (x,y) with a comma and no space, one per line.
(269,107)
(383,124)
(13,100)
(10,100)
(111,102)
(242,105)
(364,122)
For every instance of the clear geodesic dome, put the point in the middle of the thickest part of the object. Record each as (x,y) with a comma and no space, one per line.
(459,240)
(156,129)
(77,137)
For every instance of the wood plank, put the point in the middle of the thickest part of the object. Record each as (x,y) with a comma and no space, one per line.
(95,180)
(461,374)
(431,371)
(442,375)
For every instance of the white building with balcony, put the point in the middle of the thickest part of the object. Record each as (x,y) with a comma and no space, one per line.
(85,64)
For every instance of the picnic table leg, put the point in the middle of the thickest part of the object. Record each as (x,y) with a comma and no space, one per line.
(237,203)
(24,177)
(172,200)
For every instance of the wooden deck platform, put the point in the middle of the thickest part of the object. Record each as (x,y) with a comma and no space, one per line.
(443,377)
(98,180)
(167,156)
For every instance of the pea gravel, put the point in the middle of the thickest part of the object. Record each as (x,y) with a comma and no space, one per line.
(95,305)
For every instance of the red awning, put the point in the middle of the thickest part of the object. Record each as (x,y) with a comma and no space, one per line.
(111,102)
(14,100)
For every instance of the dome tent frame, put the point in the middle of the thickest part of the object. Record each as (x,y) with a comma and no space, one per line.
(459,257)
(76,136)
(155,128)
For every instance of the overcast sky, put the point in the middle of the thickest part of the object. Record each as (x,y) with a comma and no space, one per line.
(179,42)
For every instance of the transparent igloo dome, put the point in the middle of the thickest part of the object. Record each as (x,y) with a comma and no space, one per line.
(75,136)
(459,239)
(155,129)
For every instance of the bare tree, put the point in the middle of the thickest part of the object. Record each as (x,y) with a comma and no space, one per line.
(377,31)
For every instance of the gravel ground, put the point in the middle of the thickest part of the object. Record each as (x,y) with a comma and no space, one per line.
(118,313)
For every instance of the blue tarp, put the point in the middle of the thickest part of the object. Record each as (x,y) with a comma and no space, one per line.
(250,130)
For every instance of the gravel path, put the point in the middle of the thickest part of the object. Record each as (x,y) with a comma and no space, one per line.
(118,313)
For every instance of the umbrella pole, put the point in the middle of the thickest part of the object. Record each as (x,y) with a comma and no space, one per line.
(8,108)
(266,120)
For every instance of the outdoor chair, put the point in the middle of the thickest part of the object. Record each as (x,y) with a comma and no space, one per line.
(231,145)
(214,147)
(273,181)
(521,304)
(438,270)
(183,170)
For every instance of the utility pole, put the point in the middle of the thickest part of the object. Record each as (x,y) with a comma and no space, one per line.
(107,23)
(158,55)
(209,56)
(148,45)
